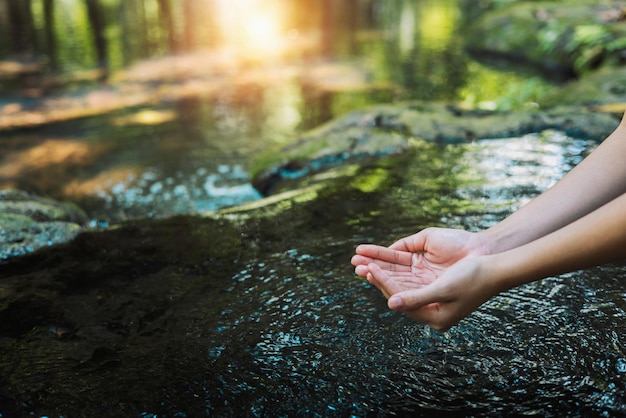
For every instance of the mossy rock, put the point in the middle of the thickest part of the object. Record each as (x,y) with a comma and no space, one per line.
(386,131)
(563,37)
(29,222)
(605,89)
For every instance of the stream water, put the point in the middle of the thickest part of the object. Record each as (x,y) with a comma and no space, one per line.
(300,335)
(194,155)
(286,329)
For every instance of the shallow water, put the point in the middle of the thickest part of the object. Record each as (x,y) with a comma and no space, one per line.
(298,334)
(163,325)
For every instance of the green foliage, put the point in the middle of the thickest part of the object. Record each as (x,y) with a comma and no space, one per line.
(502,88)
(616,44)
(522,94)
(588,45)
(549,35)
(589,35)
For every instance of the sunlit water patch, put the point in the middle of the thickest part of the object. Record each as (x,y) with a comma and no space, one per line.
(475,185)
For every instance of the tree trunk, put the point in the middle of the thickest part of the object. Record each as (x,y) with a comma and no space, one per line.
(188,25)
(22,28)
(165,10)
(96,18)
(50,39)
(327,28)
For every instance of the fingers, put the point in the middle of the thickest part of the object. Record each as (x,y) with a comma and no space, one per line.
(385,258)
(361,270)
(414,299)
(360,262)
(426,304)
(382,280)
(373,281)
(377,252)
(411,244)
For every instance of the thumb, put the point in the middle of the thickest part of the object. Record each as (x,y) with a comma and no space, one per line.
(425,305)
(410,300)
(413,243)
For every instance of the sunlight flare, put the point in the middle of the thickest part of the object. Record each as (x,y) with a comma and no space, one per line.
(253,27)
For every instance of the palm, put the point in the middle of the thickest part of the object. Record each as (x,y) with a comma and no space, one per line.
(415,261)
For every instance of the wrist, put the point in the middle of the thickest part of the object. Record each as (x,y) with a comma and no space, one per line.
(514,267)
(484,243)
(500,238)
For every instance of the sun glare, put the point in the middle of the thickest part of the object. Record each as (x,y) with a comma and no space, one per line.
(252,27)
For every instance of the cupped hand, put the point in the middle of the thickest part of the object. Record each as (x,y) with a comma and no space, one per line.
(423,256)
(415,262)
(459,291)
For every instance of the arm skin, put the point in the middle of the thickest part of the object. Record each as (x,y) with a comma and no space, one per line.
(422,258)
(597,238)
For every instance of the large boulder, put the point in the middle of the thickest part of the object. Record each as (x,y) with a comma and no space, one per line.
(604,89)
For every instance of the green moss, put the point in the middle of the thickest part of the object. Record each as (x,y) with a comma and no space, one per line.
(553,35)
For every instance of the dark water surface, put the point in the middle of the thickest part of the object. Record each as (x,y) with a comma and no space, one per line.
(301,336)
(192,316)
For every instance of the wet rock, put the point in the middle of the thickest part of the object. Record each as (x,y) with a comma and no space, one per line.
(605,89)
(559,37)
(29,222)
(388,130)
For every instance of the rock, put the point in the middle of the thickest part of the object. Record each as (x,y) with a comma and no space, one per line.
(392,130)
(29,222)
(605,86)
(558,37)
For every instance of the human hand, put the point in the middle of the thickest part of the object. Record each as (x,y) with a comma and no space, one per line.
(459,291)
(415,262)
(423,256)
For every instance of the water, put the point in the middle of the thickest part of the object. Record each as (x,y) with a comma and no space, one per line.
(294,333)
(266,318)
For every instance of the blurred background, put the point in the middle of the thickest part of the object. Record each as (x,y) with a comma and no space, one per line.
(156,107)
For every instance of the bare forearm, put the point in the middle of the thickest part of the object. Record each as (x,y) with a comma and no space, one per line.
(594,239)
(600,178)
